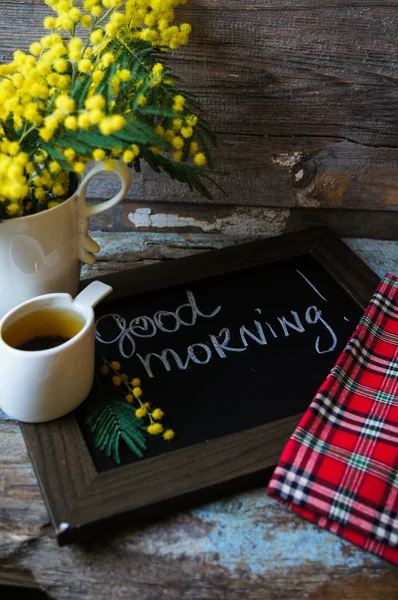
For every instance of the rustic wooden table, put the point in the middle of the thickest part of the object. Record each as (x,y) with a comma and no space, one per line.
(242,546)
(303,99)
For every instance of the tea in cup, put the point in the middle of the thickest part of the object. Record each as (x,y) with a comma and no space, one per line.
(47,354)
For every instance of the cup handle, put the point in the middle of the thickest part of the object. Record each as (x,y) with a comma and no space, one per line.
(92,294)
(87,246)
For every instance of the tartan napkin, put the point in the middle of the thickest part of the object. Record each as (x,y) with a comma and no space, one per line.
(340,467)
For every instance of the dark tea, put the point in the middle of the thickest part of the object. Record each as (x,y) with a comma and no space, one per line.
(43,329)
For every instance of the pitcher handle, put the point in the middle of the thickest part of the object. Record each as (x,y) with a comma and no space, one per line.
(87,246)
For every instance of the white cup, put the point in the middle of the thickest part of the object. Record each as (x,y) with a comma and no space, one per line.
(42,385)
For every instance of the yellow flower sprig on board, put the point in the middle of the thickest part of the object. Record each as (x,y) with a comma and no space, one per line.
(131,389)
(94,87)
(116,412)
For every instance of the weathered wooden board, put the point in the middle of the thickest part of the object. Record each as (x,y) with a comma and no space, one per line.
(283,171)
(240,547)
(132,250)
(303,96)
(242,220)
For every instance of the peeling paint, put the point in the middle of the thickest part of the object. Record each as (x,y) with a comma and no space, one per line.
(299,175)
(381,256)
(242,221)
(286,159)
(253,540)
(306,197)
(241,533)
(143,217)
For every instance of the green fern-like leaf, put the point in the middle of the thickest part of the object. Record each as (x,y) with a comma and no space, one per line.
(191,175)
(80,89)
(111,420)
(56,155)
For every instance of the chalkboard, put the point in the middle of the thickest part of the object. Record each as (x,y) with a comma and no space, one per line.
(232,344)
(227,353)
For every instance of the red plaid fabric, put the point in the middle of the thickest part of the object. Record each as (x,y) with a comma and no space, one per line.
(340,467)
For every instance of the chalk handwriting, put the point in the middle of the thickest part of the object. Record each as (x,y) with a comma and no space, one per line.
(115,329)
(311,285)
(297,326)
(222,347)
(145,326)
(317,316)
(220,344)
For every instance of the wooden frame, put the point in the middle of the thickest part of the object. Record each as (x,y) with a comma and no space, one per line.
(82,501)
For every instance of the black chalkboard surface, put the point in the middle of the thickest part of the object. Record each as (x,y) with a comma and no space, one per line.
(232,344)
(228,352)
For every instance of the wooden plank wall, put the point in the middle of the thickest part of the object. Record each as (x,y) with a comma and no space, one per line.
(303,95)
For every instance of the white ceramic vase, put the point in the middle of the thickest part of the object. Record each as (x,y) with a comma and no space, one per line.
(43,253)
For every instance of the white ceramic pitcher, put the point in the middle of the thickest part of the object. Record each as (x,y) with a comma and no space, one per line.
(42,253)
